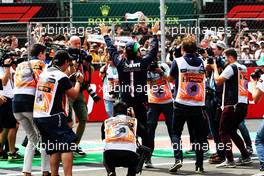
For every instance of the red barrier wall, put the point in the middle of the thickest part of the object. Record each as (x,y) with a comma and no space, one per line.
(254,110)
(97,111)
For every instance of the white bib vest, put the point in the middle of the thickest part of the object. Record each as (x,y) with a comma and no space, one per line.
(191,84)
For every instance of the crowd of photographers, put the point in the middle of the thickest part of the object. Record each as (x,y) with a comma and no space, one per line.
(43,85)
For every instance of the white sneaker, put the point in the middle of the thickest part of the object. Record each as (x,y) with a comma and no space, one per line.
(226,164)
(261,173)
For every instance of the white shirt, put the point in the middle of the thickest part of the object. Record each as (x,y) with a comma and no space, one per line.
(259,54)
(111,73)
(260,83)
(8,88)
(228,73)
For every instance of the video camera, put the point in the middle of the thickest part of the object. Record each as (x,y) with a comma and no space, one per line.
(256,74)
(6,54)
(51,49)
(78,55)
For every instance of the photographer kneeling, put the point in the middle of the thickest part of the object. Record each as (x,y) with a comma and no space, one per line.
(119,135)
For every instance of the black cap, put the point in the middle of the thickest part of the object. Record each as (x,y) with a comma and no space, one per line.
(60,57)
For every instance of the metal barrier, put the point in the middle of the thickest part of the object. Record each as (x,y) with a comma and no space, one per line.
(238,31)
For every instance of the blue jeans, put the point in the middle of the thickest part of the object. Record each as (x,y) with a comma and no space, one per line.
(259,142)
(245,134)
(109,105)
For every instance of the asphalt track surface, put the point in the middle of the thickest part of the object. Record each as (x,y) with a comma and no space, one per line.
(91,165)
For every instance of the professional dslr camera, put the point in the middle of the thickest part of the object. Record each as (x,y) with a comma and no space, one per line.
(219,64)
(256,74)
(202,51)
(86,86)
(175,52)
(154,65)
(79,55)
(6,54)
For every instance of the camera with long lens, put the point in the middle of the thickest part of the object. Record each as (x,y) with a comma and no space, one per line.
(202,51)
(219,63)
(80,56)
(256,74)
(175,52)
(6,54)
(85,86)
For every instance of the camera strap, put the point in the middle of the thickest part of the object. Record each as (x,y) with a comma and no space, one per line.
(137,141)
(32,71)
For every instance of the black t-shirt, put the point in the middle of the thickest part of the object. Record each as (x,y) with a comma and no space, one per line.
(64,84)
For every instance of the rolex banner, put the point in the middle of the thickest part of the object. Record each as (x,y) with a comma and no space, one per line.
(96,13)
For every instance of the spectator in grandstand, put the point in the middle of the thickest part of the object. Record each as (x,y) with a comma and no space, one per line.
(245,54)
(189,101)
(235,105)
(94,52)
(260,52)
(132,73)
(102,55)
(51,109)
(24,95)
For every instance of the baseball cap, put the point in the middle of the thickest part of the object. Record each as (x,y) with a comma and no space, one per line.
(60,57)
(219,44)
